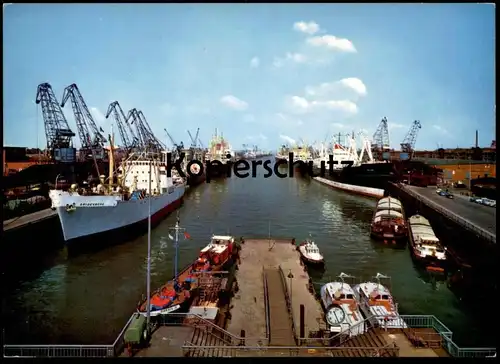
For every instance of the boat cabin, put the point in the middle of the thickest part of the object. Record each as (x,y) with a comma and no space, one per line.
(219,249)
(378,301)
(341,295)
(311,248)
(384,215)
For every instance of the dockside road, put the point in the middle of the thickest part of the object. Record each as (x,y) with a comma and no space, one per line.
(478,218)
(33,218)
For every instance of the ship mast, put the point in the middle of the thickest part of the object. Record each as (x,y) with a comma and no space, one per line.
(177,228)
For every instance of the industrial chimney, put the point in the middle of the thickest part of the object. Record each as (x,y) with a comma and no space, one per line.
(477,144)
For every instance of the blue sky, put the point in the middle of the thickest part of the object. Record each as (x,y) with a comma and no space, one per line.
(260,73)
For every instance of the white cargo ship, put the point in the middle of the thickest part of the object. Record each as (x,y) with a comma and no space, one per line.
(108,208)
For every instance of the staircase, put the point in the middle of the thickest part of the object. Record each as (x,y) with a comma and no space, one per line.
(364,345)
(206,338)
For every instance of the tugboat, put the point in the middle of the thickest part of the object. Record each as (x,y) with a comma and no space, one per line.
(309,252)
(388,222)
(341,308)
(425,246)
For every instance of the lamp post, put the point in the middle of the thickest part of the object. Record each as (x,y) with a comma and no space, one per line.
(290,275)
(148,278)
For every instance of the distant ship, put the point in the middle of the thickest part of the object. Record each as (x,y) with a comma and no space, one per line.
(219,150)
(108,208)
(349,168)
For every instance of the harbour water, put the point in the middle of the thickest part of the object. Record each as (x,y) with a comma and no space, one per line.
(86,299)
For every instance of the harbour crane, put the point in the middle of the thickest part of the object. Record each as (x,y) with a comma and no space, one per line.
(127,134)
(380,140)
(200,143)
(154,140)
(91,136)
(147,140)
(178,147)
(408,144)
(194,142)
(140,136)
(57,131)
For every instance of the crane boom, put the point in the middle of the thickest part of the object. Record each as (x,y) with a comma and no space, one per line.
(57,131)
(117,111)
(408,144)
(90,135)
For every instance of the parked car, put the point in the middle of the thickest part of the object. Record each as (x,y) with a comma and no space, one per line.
(488,202)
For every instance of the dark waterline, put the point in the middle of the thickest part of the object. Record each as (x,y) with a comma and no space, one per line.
(88,298)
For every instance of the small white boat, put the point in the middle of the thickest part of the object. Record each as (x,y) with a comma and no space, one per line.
(309,252)
(341,307)
(377,304)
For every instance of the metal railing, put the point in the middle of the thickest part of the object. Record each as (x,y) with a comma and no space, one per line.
(286,351)
(58,351)
(266,305)
(288,301)
(450,215)
(430,321)
(254,345)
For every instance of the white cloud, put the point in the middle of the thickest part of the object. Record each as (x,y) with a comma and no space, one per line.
(354,83)
(248,118)
(332,42)
(278,62)
(287,139)
(296,57)
(234,103)
(254,62)
(289,57)
(301,105)
(338,125)
(287,120)
(306,27)
(329,88)
(97,115)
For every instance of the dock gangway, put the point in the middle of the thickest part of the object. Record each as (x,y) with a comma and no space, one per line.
(279,323)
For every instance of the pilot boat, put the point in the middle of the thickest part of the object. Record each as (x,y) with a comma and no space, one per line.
(342,312)
(309,252)
(377,303)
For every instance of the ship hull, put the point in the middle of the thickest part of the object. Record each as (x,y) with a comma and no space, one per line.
(376,175)
(91,223)
(193,180)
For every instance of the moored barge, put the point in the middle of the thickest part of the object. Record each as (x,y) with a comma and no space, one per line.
(425,247)
(388,222)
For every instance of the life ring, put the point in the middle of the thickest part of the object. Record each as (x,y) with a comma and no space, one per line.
(386,318)
(194,169)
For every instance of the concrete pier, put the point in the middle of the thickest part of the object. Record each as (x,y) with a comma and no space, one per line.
(248,306)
